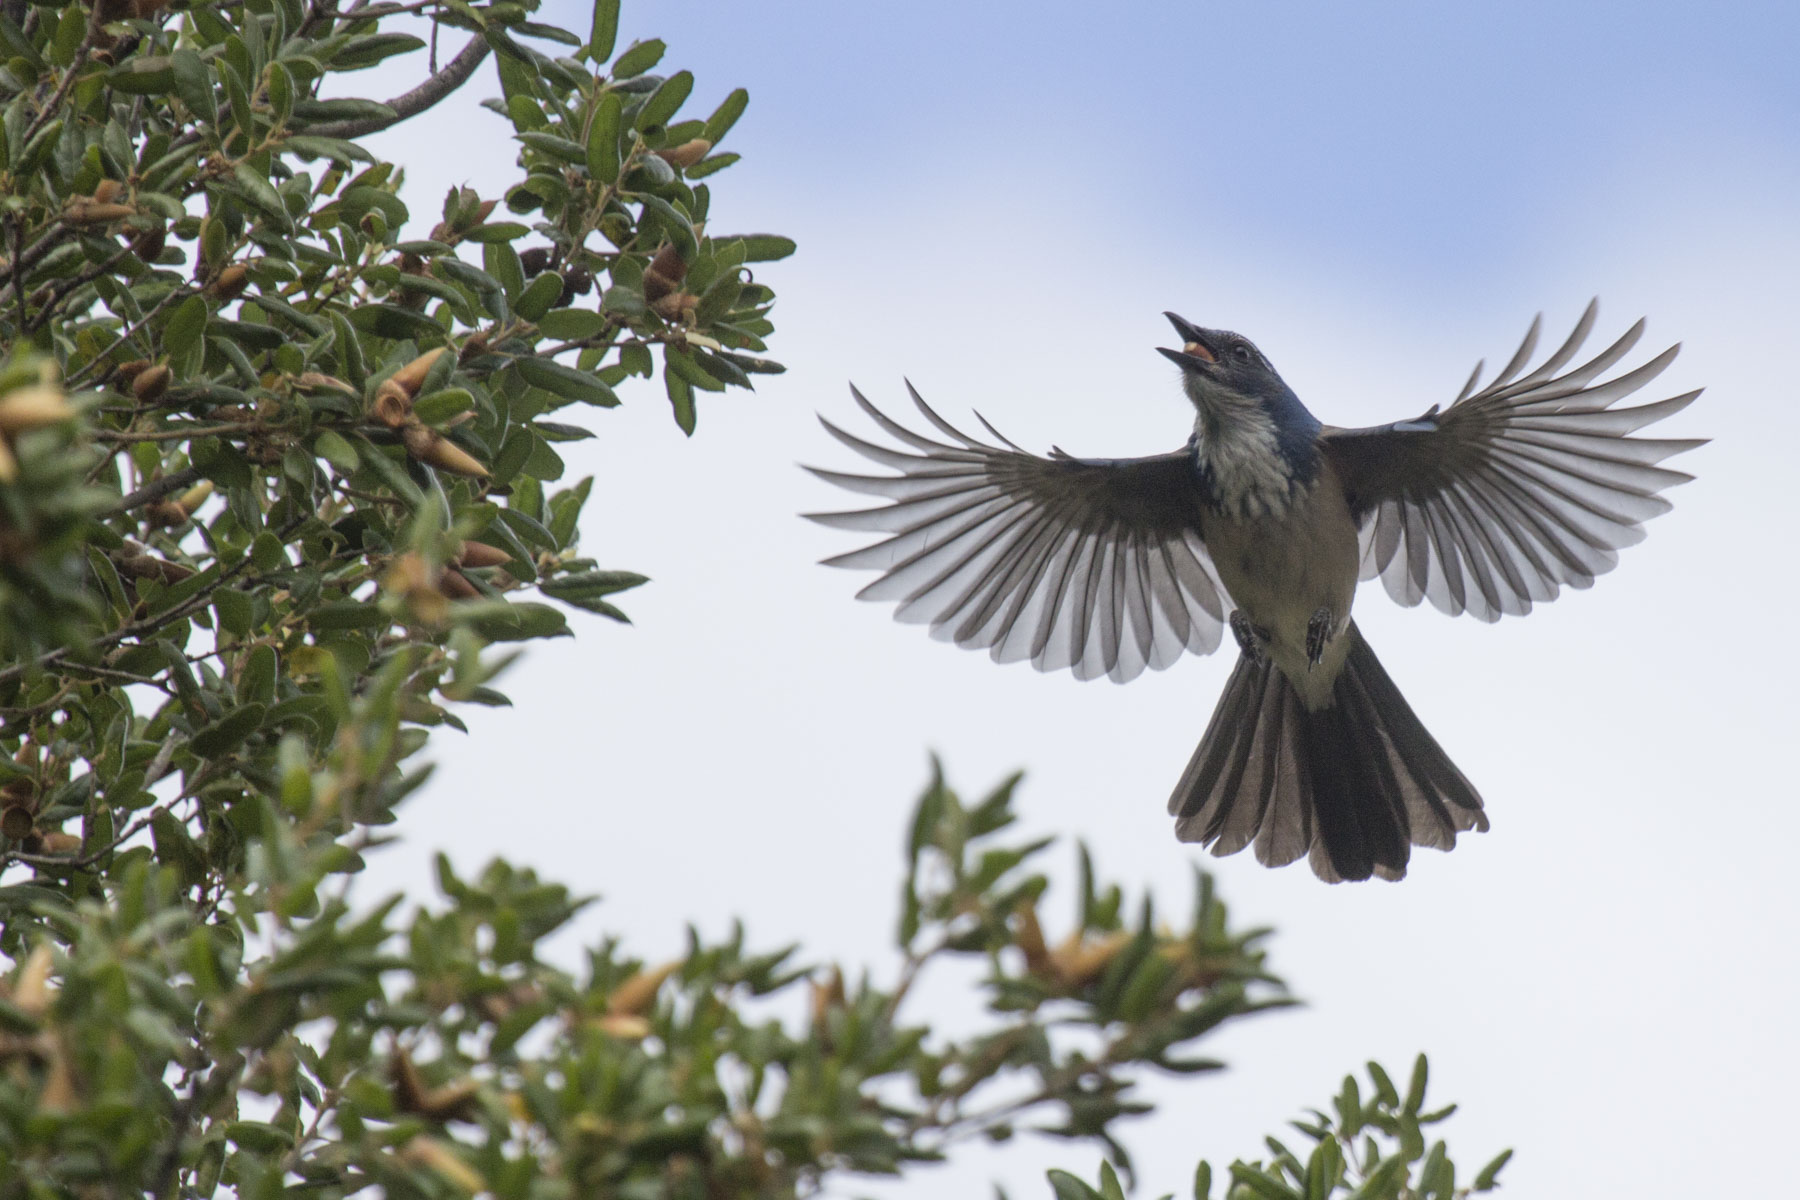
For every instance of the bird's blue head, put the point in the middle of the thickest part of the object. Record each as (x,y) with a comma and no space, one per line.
(1238,393)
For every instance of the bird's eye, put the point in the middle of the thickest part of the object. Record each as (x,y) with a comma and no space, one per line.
(1241,352)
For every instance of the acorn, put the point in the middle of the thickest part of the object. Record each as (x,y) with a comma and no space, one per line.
(676,308)
(108,191)
(127,372)
(150,383)
(625,1026)
(475,345)
(1028,936)
(535,261)
(577,282)
(455,586)
(167,514)
(319,381)
(635,995)
(31,990)
(686,154)
(16,822)
(230,282)
(480,554)
(410,377)
(58,842)
(664,274)
(147,243)
(87,212)
(33,407)
(423,1151)
(1078,963)
(191,500)
(826,996)
(430,446)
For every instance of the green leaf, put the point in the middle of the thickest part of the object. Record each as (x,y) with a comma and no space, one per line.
(235,611)
(1486,1179)
(667,100)
(709,166)
(194,85)
(605,31)
(229,731)
(1415,1089)
(335,450)
(185,327)
(359,53)
(638,58)
(681,399)
(393,321)
(764,247)
(603,139)
(539,295)
(1262,1183)
(557,147)
(1203,1181)
(724,117)
(440,406)
(1068,1187)
(343,110)
(143,75)
(568,382)
(572,324)
(498,231)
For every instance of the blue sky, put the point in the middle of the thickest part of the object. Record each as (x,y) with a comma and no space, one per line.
(999,201)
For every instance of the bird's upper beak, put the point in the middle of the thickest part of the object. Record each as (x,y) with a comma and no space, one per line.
(1199,347)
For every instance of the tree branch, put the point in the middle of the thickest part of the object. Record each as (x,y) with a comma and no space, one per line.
(414,102)
(156,489)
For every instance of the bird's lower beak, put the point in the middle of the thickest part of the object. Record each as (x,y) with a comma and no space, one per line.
(1196,353)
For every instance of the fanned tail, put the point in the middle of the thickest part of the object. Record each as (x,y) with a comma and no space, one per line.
(1354,785)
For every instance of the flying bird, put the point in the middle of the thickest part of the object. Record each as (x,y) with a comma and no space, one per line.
(1264,523)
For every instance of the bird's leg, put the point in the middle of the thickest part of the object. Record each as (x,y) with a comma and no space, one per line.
(1252,638)
(1318,636)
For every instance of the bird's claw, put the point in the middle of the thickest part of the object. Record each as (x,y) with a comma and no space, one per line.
(1318,636)
(1252,638)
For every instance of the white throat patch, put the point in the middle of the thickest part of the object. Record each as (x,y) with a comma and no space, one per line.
(1236,444)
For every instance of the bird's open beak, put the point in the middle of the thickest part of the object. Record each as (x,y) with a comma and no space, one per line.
(1197,352)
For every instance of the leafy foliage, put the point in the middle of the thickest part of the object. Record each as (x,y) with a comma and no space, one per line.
(1365,1149)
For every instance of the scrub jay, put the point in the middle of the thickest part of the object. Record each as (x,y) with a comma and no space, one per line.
(1108,566)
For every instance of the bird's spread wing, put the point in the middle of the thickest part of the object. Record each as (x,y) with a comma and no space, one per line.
(1091,564)
(1514,490)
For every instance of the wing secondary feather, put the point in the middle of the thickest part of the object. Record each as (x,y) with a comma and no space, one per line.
(1515,490)
(1095,565)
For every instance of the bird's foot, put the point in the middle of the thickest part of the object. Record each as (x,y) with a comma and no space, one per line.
(1318,636)
(1252,638)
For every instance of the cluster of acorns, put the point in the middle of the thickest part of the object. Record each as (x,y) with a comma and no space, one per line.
(393,407)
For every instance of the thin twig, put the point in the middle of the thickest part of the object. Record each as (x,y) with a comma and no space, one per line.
(179,433)
(156,489)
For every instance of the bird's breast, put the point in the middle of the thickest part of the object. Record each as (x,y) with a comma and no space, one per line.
(1280,567)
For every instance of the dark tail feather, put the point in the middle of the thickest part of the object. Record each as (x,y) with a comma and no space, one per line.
(1354,785)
